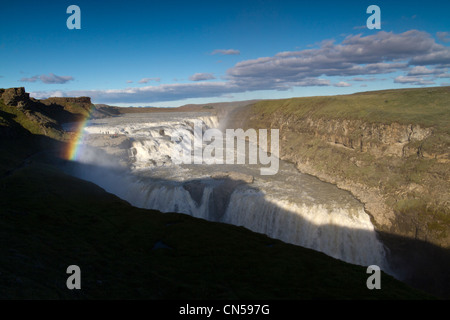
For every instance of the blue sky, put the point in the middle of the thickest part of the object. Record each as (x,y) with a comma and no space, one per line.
(168,53)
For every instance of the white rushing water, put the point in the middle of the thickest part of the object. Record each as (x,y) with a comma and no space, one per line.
(290,206)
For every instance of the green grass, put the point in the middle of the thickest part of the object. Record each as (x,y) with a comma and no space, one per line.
(429,107)
(20,118)
(78,109)
(12,116)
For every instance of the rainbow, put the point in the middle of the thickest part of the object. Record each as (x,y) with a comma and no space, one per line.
(72,149)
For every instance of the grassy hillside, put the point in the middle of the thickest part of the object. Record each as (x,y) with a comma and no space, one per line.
(428,107)
(76,108)
(20,122)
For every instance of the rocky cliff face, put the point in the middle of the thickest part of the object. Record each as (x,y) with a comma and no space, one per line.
(12,96)
(399,171)
(378,139)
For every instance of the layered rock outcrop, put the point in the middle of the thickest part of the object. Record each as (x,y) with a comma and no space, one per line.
(14,96)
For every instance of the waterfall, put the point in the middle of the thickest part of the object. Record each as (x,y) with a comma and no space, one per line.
(289,206)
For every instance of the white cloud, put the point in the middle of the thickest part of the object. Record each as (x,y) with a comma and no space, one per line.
(421,70)
(32,79)
(342,84)
(431,74)
(202,77)
(48,79)
(443,36)
(413,80)
(58,94)
(54,79)
(364,79)
(147,80)
(226,52)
